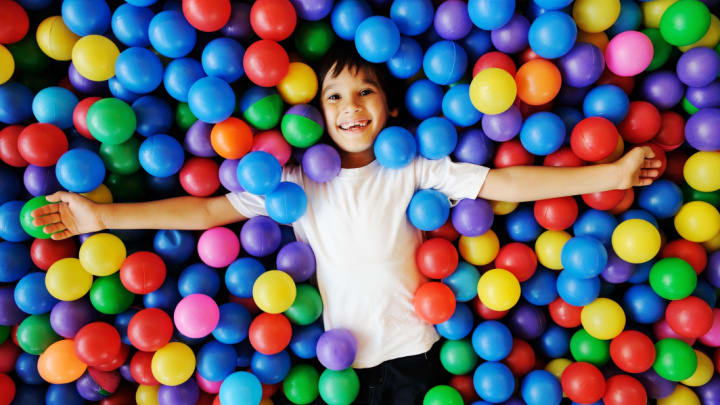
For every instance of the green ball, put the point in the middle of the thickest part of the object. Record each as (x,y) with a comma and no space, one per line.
(307,307)
(301,384)
(688,107)
(184,117)
(675,360)
(339,387)
(26,218)
(584,347)
(109,296)
(661,49)
(28,56)
(121,158)
(266,112)
(442,395)
(458,356)
(35,334)
(690,194)
(685,22)
(299,130)
(126,187)
(313,39)
(673,278)
(111,121)
(4,333)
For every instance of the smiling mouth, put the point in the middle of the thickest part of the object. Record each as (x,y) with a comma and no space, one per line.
(354,126)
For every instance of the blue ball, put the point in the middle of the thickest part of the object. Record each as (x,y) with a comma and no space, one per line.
(597,224)
(492,340)
(234,324)
(542,133)
(459,325)
(241,275)
(216,360)
(457,107)
(423,99)
(80,170)
(171,35)
(347,16)
(211,100)
(412,17)
(463,281)
(395,147)
(494,381)
(643,305)
(174,246)
(445,62)
(199,278)
(35,4)
(161,155)
(522,226)
(31,295)
(143,3)
(223,58)
(552,4)
(10,228)
(86,17)
(539,387)
(287,203)
(583,257)
(474,147)
(121,322)
(428,209)
(607,101)
(54,105)
(540,289)
(165,297)
(377,39)
(552,34)
(436,137)
(180,75)
(577,291)
(477,43)
(304,340)
(139,70)
(270,368)
(259,172)
(26,369)
(9,184)
(63,394)
(555,342)
(153,115)
(119,91)
(130,24)
(14,261)
(641,273)
(490,14)
(638,214)
(662,198)
(17,102)
(570,116)
(407,61)
(629,19)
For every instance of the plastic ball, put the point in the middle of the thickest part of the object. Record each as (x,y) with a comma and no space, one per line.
(596,15)
(274,291)
(700,173)
(538,82)
(321,163)
(673,278)
(698,67)
(684,22)
(259,172)
(377,39)
(675,360)
(541,387)
(603,319)
(493,381)
(41,144)
(577,291)
(607,101)
(211,99)
(171,35)
(582,382)
(407,61)
(55,39)
(552,34)
(498,289)
(512,37)
(436,258)
(493,91)
(302,125)
(489,14)
(395,147)
(206,15)
(452,21)
(629,53)
(697,221)
(287,203)
(698,129)
(54,105)
(336,349)
(59,364)
(622,389)
(16,22)
(273,19)
(94,57)
(80,170)
(457,107)
(411,17)
(173,364)
(111,121)
(299,86)
(636,241)
(583,65)
(444,62)
(270,333)
(542,133)
(139,70)
(196,316)
(130,24)
(348,14)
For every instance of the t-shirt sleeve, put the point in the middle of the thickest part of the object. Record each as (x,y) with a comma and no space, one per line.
(252,205)
(455,180)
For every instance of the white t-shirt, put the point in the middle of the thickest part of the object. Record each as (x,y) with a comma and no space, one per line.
(365,247)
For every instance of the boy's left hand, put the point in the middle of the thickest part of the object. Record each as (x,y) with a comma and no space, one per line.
(637,168)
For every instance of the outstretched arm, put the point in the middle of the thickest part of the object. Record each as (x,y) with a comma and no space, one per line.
(530,183)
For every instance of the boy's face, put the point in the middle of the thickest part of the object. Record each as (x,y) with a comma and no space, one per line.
(355,109)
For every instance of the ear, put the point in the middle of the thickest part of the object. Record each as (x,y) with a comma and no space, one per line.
(394,113)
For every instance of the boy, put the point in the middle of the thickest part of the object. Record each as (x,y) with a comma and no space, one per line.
(356,224)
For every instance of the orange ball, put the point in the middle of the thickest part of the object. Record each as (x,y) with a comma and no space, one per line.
(538,82)
(59,364)
(231,138)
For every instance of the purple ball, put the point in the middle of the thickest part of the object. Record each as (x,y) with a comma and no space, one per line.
(582,66)
(656,386)
(712,272)
(186,393)
(86,86)
(228,175)
(125,371)
(513,36)
(10,314)
(89,389)
(474,147)
(67,317)
(197,140)
(527,321)
(513,401)
(336,349)
(260,236)
(704,97)
(710,392)
(504,126)
(472,217)
(296,259)
(238,26)
(701,129)
(663,89)
(321,162)
(698,67)
(307,111)
(312,10)
(617,270)
(452,21)
(40,180)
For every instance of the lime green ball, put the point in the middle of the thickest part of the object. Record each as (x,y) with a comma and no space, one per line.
(111,121)
(339,387)
(689,107)
(301,384)
(584,347)
(34,334)
(458,356)
(184,117)
(26,219)
(126,187)
(442,395)
(673,278)
(685,22)
(690,194)
(313,39)
(307,307)
(661,49)
(265,113)
(298,129)
(675,360)
(28,56)
(4,333)
(109,296)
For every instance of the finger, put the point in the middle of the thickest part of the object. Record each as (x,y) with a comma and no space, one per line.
(47,219)
(45,210)
(648,152)
(649,173)
(645,182)
(647,164)
(60,196)
(56,227)
(61,235)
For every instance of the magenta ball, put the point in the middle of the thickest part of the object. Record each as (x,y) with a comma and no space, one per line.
(629,53)
(452,21)
(218,247)
(196,315)
(712,337)
(336,349)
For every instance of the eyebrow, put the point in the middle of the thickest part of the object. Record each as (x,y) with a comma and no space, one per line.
(366,80)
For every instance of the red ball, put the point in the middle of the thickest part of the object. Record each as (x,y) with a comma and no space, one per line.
(125,395)
(117,361)
(464,385)
(9,152)
(692,252)
(672,131)
(512,153)
(527,55)
(269,390)
(434,302)
(436,258)
(80,116)
(517,258)
(199,176)
(564,314)
(270,333)
(604,200)
(627,84)
(9,353)
(97,343)
(150,329)
(625,203)
(497,60)
(563,157)
(7,389)
(641,123)
(14,22)
(447,231)
(623,390)
(142,272)
(485,312)
(273,19)
(140,369)
(527,110)
(632,351)
(521,358)
(556,213)
(689,317)
(42,144)
(207,15)
(45,252)
(583,382)
(266,63)
(594,139)
(659,155)
(675,164)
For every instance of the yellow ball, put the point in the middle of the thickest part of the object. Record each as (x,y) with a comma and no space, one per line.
(102,254)
(681,396)
(636,240)
(94,57)
(713,244)
(557,366)
(493,91)
(173,364)
(703,373)
(55,39)
(603,318)
(653,11)
(548,248)
(498,289)
(596,15)
(66,279)
(598,39)
(702,171)
(503,207)
(147,395)
(100,195)
(299,85)
(697,221)
(7,64)
(274,291)
(711,37)
(479,250)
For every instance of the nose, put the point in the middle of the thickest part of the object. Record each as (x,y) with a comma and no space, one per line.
(352,105)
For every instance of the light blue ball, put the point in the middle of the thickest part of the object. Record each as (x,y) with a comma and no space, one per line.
(457,107)
(643,305)
(492,340)
(139,70)
(597,224)
(459,325)
(180,75)
(287,203)
(542,133)
(539,387)
(607,101)
(240,276)
(31,295)
(436,137)
(577,291)
(412,17)
(377,39)
(161,155)
(552,34)
(130,24)
(54,105)
(211,100)
(407,61)
(463,281)
(552,4)
(119,91)
(80,170)
(395,147)
(86,17)
(270,368)
(490,14)
(171,35)
(347,16)
(223,58)
(423,99)
(494,382)
(428,209)
(583,257)
(445,62)
(216,361)
(259,172)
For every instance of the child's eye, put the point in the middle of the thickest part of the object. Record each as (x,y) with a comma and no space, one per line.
(365,92)
(333,97)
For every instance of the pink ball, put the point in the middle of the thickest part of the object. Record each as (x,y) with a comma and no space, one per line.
(663,331)
(218,247)
(629,53)
(712,338)
(211,387)
(196,315)
(274,143)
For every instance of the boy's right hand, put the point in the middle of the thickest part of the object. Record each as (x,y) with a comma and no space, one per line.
(72,214)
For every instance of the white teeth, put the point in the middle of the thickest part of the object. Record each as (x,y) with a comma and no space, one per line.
(354,124)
